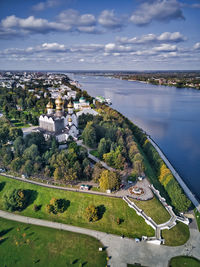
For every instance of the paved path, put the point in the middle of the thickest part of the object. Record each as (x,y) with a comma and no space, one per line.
(176,175)
(80,143)
(126,250)
(60,187)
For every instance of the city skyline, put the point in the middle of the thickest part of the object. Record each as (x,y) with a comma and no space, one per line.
(106,35)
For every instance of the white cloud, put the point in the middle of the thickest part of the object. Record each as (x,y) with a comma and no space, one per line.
(68,20)
(109,20)
(73,18)
(53,47)
(114,48)
(166,37)
(46,4)
(159,10)
(171,37)
(196,46)
(165,48)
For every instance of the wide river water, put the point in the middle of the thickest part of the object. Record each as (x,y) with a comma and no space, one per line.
(169,115)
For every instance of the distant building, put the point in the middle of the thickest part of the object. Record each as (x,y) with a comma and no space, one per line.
(87,111)
(82,104)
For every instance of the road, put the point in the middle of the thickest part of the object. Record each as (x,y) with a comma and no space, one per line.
(123,250)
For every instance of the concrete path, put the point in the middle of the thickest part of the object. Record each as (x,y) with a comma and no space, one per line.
(185,188)
(123,250)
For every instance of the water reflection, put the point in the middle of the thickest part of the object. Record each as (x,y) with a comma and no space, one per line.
(169,115)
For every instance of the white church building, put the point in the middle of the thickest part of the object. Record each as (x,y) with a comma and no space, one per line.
(59,123)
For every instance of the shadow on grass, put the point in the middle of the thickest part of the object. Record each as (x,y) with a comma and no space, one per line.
(75,261)
(31,196)
(101,210)
(2,186)
(4,232)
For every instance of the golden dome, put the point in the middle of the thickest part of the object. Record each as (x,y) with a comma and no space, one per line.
(49,105)
(69,119)
(59,100)
(70,105)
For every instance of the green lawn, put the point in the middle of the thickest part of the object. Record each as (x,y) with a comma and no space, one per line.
(111,208)
(176,236)
(197,215)
(30,245)
(154,209)
(19,124)
(94,153)
(185,261)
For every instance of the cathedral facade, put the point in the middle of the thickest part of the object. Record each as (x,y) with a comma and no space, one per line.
(59,123)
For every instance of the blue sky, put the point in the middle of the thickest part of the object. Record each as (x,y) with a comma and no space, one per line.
(100,35)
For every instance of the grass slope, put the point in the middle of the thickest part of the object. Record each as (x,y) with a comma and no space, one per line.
(176,236)
(29,245)
(154,209)
(197,215)
(111,209)
(185,261)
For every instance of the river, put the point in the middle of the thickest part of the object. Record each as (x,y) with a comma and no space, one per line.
(171,116)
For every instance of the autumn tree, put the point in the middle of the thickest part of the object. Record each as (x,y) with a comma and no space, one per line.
(91,213)
(108,180)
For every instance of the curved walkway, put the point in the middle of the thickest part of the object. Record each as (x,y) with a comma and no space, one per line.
(126,250)
(80,143)
(187,191)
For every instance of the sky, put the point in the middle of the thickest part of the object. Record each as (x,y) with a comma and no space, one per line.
(124,35)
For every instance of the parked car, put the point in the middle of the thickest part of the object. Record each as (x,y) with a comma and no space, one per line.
(2,170)
(85,187)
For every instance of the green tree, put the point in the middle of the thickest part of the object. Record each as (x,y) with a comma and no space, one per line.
(28,167)
(16,164)
(16,200)
(19,146)
(14,133)
(4,134)
(103,147)
(89,135)
(31,152)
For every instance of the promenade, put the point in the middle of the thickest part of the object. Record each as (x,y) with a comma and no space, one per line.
(185,188)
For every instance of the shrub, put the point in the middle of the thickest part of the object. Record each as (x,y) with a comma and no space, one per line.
(16,200)
(91,213)
(57,205)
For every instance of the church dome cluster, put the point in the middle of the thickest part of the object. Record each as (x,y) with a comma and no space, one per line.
(58,122)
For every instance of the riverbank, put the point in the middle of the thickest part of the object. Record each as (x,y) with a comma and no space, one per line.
(168,114)
(185,188)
